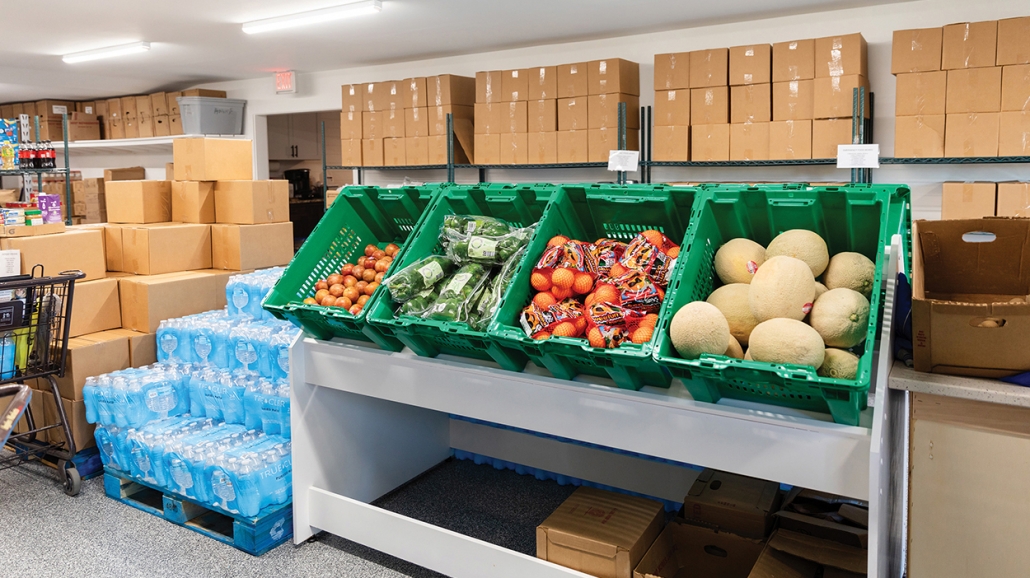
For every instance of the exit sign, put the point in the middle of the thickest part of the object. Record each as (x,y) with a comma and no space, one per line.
(286,82)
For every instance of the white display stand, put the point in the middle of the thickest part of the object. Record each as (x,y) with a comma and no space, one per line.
(366,421)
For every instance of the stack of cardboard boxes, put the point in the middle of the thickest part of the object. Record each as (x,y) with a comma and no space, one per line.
(963,90)
(974,200)
(146,115)
(89,198)
(83,123)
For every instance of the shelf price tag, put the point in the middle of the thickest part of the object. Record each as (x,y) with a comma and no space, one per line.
(627,161)
(858,156)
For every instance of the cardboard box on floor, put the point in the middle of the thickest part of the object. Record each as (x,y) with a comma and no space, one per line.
(244,247)
(794,555)
(149,299)
(75,413)
(95,307)
(212,159)
(970,288)
(139,201)
(916,50)
(142,346)
(193,201)
(253,202)
(732,503)
(91,355)
(968,200)
(683,550)
(166,249)
(600,533)
(81,249)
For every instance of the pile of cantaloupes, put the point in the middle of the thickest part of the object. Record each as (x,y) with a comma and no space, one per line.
(772,308)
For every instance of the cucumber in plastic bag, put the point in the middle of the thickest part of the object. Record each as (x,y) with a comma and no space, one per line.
(485,249)
(456,294)
(488,304)
(417,277)
(417,305)
(474,225)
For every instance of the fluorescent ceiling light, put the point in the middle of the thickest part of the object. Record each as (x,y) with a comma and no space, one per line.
(108,52)
(314,16)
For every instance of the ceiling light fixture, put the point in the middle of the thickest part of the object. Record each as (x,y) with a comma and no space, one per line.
(108,52)
(314,16)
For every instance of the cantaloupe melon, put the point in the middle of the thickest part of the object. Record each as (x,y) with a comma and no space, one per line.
(734,350)
(852,271)
(787,341)
(801,244)
(782,287)
(841,317)
(697,328)
(732,300)
(839,364)
(820,289)
(747,355)
(738,259)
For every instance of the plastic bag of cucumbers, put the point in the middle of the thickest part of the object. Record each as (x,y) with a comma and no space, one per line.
(480,239)
(457,294)
(418,277)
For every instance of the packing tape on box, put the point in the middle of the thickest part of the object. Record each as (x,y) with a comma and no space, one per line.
(439,89)
(748,78)
(513,116)
(709,97)
(792,89)
(835,84)
(967,48)
(489,87)
(836,66)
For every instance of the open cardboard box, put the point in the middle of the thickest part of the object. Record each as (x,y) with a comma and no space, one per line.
(793,555)
(684,550)
(970,293)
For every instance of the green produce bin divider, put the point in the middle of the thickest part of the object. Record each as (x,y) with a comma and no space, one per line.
(855,218)
(360,216)
(520,205)
(587,213)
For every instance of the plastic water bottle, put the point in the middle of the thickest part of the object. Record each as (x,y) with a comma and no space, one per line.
(267,406)
(8,354)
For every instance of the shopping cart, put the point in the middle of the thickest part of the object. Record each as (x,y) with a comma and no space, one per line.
(35,317)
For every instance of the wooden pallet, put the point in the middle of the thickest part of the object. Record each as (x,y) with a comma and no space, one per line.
(257,535)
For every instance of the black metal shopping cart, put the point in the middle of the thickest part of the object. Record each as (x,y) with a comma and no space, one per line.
(35,317)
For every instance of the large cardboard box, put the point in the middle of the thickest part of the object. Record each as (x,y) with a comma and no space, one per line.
(416,122)
(372,125)
(1013,47)
(732,503)
(672,107)
(416,150)
(125,174)
(793,60)
(81,126)
(1015,88)
(166,249)
(970,314)
(514,149)
(414,92)
(372,152)
(350,124)
(448,89)
(1014,134)
(489,86)
(392,123)
(95,307)
(543,115)
(1013,199)
(749,141)
(916,50)
(212,159)
(709,68)
(600,533)
(793,100)
(130,119)
(710,105)
(613,75)
(751,103)
(683,550)
(921,93)
(542,147)
(139,201)
(149,299)
(253,202)
(173,102)
(159,104)
(969,200)
(973,134)
(193,201)
(841,56)
(438,117)
(514,86)
(81,249)
(437,150)
(488,149)
(394,153)
(350,152)
(603,110)
(572,80)
(572,146)
(974,90)
(162,127)
(205,92)
(601,141)
(671,143)
(514,116)
(573,113)
(750,64)
(796,555)
(246,247)
(91,355)
(142,346)
(710,142)
(75,413)
(53,108)
(969,45)
(919,136)
(542,82)
(790,139)
(834,96)
(827,134)
(672,71)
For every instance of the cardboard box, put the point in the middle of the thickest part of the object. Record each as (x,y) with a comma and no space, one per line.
(1015,88)
(174,125)
(794,555)
(969,45)
(751,103)
(919,136)
(166,249)
(841,56)
(393,123)
(130,120)
(81,126)
(790,139)
(247,247)
(710,142)
(205,92)
(709,68)
(542,83)
(125,174)
(827,134)
(672,71)
(793,100)
(75,413)
(253,202)
(416,150)
(1013,47)
(749,141)
(350,152)
(671,143)
(489,86)
(91,355)
(501,117)
(689,550)
(603,110)
(921,93)
(52,108)
(116,129)
(372,125)
(372,152)
(416,122)
(448,89)
(414,92)
(600,533)
(968,200)
(834,96)
(814,513)
(543,115)
(142,346)
(732,503)
(572,145)
(542,147)
(917,50)
(81,249)
(351,124)
(438,117)
(613,76)
(371,99)
(173,102)
(573,114)
(149,299)
(964,318)
(1014,134)
(391,97)
(974,90)
(162,128)
(514,149)
(212,159)
(601,141)
(193,201)
(672,108)
(710,105)
(514,86)
(394,152)
(352,97)
(488,149)
(751,64)
(1013,200)
(437,146)
(95,307)
(974,134)
(572,80)
(139,201)
(114,108)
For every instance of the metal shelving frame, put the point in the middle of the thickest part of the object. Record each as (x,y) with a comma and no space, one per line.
(54,171)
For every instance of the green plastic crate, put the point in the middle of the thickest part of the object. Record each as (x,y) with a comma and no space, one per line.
(587,213)
(360,216)
(520,205)
(853,218)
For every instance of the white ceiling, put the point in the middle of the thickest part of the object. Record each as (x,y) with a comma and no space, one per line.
(197,41)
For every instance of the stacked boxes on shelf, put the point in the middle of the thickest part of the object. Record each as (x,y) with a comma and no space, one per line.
(542,113)
(83,123)
(841,65)
(974,200)
(963,90)
(750,79)
(501,117)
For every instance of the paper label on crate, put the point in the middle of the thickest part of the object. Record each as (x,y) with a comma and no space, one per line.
(431,273)
(10,263)
(482,248)
(858,156)
(628,161)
